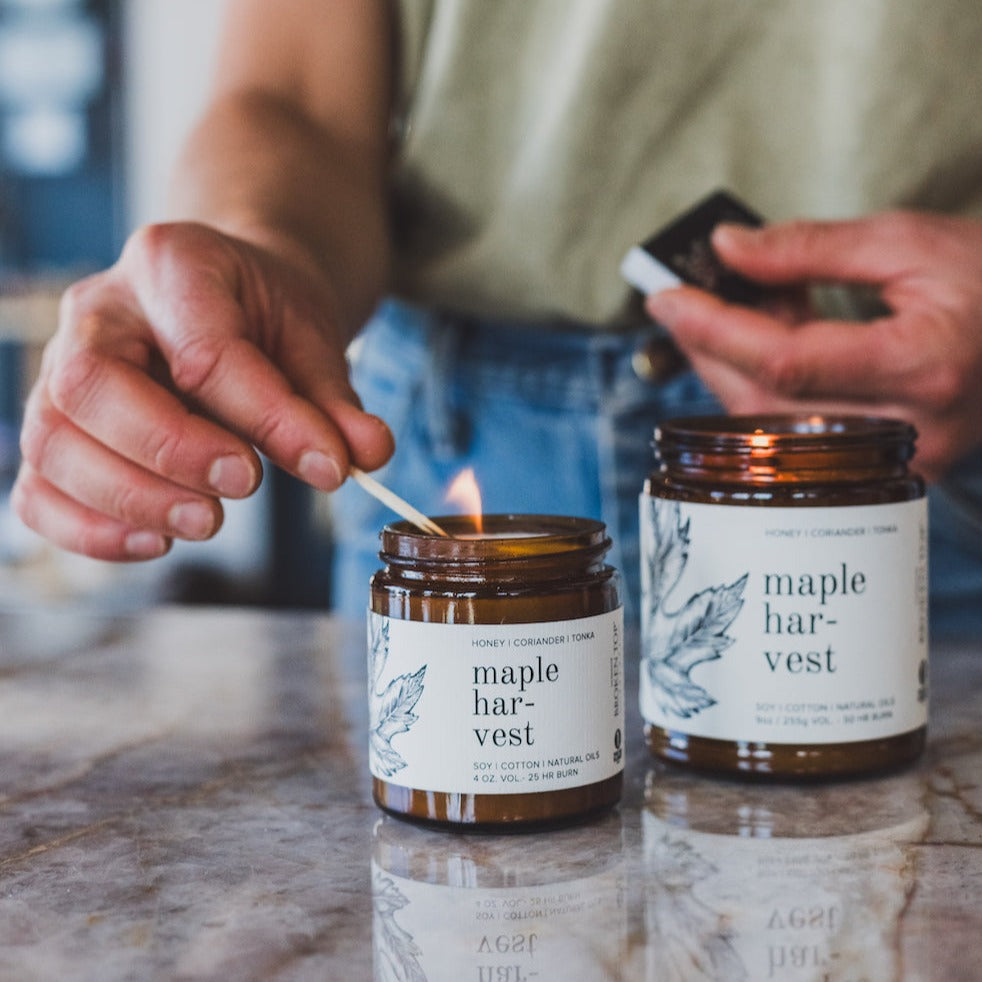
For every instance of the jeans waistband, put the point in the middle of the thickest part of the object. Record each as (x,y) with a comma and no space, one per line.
(553,363)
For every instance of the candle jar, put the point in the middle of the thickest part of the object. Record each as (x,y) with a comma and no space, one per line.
(784,596)
(496,673)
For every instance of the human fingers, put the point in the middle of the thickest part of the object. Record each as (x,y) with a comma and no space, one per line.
(102,482)
(72,526)
(882,360)
(744,395)
(249,342)
(941,438)
(97,377)
(875,250)
(754,365)
(319,371)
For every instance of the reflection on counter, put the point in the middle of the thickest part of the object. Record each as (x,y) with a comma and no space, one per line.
(774,882)
(499,908)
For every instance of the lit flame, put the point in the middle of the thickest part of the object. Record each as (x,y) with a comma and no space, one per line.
(465,493)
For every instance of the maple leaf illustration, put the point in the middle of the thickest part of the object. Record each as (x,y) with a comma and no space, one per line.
(391,708)
(394,715)
(378,648)
(675,642)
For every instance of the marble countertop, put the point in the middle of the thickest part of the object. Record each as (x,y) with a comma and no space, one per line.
(184,795)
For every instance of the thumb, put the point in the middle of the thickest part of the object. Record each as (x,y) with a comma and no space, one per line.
(871,250)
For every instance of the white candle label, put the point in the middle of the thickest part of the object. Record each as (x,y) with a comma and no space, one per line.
(496,708)
(784,625)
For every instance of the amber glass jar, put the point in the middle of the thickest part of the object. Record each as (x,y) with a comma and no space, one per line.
(496,673)
(784,596)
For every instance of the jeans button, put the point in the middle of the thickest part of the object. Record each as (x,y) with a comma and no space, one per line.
(658,360)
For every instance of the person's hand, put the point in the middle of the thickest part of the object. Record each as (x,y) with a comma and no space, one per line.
(921,361)
(166,372)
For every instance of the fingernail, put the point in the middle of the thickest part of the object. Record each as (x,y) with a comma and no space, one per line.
(662,307)
(232,476)
(320,470)
(191,520)
(145,545)
(733,233)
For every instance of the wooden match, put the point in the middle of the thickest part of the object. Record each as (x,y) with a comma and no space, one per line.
(393,501)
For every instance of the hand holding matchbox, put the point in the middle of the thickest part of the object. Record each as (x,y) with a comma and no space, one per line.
(682,252)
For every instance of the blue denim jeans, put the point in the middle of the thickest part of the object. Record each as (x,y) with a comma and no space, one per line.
(557,422)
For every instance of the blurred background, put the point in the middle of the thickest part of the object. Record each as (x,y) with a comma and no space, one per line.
(95,99)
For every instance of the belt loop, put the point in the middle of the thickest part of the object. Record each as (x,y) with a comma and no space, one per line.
(445,422)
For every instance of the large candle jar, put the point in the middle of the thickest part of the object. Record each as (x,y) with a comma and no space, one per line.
(496,673)
(784,596)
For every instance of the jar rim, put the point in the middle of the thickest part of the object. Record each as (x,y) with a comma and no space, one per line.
(505,537)
(807,431)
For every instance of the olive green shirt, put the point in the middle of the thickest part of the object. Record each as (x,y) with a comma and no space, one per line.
(539,139)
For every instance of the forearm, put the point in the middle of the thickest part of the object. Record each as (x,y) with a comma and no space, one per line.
(258,168)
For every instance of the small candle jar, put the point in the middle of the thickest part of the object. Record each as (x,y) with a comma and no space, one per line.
(784,596)
(496,673)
